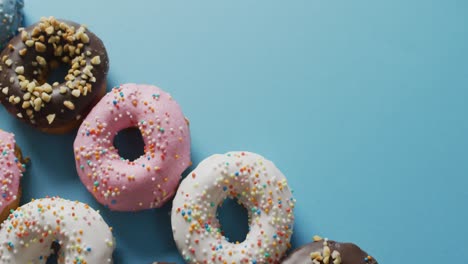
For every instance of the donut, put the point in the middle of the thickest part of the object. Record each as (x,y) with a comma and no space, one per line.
(149,181)
(11,170)
(79,232)
(258,185)
(323,251)
(11,18)
(34,55)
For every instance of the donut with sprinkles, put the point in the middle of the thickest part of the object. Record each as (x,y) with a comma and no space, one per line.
(11,171)
(258,185)
(79,232)
(149,181)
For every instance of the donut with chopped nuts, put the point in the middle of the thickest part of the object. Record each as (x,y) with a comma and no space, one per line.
(258,185)
(11,170)
(149,181)
(78,232)
(323,251)
(33,55)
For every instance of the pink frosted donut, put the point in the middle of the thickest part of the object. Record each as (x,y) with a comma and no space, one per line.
(152,179)
(11,171)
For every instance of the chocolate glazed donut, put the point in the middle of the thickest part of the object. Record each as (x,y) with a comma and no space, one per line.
(326,251)
(29,59)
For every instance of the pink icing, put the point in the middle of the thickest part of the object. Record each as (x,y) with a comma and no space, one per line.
(152,179)
(11,170)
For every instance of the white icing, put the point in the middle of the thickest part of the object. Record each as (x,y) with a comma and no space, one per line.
(27,235)
(258,185)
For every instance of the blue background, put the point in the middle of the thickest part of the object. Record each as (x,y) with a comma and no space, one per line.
(362,104)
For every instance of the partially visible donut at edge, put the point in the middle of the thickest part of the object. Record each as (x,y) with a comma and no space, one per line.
(11,18)
(12,167)
(38,51)
(78,232)
(323,251)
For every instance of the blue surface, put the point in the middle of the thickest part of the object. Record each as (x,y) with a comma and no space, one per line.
(362,104)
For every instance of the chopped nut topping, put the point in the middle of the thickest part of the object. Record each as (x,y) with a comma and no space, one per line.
(23,52)
(27,96)
(325,256)
(50,30)
(17,100)
(41,60)
(46,97)
(26,104)
(19,70)
(24,35)
(85,38)
(317,238)
(58,51)
(69,105)
(51,118)
(36,31)
(76,93)
(47,88)
(31,86)
(29,43)
(37,104)
(336,257)
(40,47)
(326,251)
(96,60)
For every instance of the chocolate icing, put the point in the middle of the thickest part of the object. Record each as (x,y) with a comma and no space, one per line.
(349,253)
(62,115)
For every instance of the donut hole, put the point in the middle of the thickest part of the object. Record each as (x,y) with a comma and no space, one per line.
(233,219)
(55,248)
(129,143)
(57,71)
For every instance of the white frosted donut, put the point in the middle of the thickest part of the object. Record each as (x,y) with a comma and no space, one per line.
(258,185)
(29,232)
